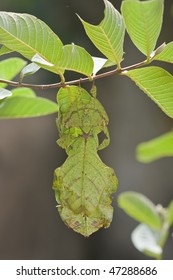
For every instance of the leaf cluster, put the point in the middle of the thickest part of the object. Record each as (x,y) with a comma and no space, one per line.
(150,235)
(142,20)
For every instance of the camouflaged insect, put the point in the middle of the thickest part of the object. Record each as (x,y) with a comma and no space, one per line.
(80,114)
(83,184)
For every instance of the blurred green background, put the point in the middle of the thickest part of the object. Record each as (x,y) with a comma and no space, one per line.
(30,227)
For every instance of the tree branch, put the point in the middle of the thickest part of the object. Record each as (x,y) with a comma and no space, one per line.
(78,81)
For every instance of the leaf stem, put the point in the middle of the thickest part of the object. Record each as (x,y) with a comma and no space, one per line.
(73,82)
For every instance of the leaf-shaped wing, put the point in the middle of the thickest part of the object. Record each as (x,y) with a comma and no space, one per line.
(83,186)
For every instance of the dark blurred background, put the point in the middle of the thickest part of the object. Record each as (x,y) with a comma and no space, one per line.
(30,226)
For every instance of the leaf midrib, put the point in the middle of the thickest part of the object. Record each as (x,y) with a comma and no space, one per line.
(146,33)
(28,46)
(109,43)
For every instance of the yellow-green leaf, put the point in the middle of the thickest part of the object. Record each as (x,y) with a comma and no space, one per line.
(167,54)
(27,92)
(143,20)
(9,68)
(108,36)
(156,148)
(4,50)
(157,84)
(26,106)
(170,213)
(28,35)
(140,208)
(75,58)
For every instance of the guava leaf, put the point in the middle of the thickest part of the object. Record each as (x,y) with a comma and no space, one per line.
(156,148)
(27,92)
(157,83)
(146,240)
(170,213)
(167,54)
(4,50)
(108,36)
(83,186)
(26,106)
(143,21)
(140,208)
(75,58)
(9,68)
(109,63)
(28,35)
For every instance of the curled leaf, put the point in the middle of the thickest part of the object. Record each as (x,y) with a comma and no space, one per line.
(4,93)
(146,240)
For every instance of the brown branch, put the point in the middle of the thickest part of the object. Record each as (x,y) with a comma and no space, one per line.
(78,81)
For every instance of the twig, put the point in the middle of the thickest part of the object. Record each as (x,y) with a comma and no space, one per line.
(81,80)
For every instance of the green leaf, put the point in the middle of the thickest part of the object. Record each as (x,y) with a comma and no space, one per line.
(27,92)
(140,208)
(4,93)
(156,148)
(108,36)
(170,213)
(4,50)
(146,240)
(28,35)
(9,68)
(167,54)
(157,84)
(158,50)
(75,58)
(25,107)
(143,21)
(108,63)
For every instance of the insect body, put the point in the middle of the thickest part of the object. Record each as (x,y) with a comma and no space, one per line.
(80,113)
(83,184)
